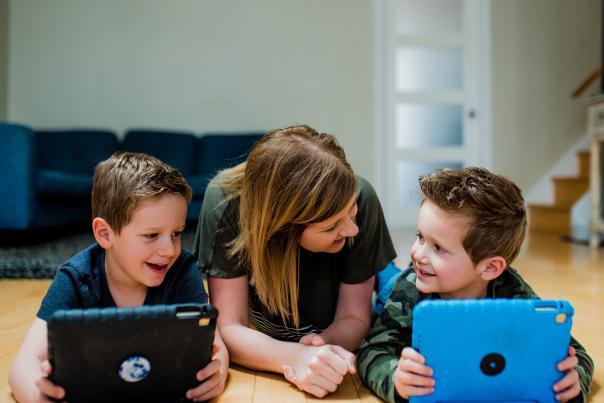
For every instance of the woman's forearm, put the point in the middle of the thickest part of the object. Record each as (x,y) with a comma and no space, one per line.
(346,332)
(253,349)
(353,315)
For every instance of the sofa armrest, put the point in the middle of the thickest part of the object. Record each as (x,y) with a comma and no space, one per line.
(17,176)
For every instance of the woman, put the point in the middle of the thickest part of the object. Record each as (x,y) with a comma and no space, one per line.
(290,241)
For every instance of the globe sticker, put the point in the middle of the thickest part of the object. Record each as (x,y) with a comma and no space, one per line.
(134,368)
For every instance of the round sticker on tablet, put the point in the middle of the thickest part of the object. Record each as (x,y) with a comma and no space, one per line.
(134,368)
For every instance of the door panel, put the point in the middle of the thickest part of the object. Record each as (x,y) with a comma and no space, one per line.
(430,96)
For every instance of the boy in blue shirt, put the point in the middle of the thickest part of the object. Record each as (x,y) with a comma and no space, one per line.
(139,205)
(470,227)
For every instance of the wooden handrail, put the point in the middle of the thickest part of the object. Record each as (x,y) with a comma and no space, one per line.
(587,81)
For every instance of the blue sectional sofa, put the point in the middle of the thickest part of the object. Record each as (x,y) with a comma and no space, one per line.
(46,176)
(197,158)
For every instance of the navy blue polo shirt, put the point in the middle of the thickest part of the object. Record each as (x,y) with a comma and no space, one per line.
(81,282)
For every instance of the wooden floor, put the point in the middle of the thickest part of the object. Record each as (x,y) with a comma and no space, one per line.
(553,268)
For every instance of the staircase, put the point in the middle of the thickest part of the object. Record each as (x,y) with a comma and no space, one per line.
(556,219)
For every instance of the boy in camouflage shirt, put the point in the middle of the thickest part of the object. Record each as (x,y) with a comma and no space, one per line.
(470,226)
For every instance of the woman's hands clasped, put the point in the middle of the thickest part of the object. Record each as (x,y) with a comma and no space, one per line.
(320,367)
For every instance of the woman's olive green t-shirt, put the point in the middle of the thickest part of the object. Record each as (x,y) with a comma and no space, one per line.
(320,274)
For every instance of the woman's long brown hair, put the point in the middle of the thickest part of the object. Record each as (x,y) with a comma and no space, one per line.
(292,178)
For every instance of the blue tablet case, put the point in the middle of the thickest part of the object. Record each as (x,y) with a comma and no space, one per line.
(500,350)
(149,353)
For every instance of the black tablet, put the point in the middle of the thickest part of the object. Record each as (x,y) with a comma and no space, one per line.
(149,353)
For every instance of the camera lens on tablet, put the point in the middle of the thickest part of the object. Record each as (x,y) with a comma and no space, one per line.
(492,364)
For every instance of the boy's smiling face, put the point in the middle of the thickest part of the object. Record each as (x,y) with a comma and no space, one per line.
(145,248)
(441,263)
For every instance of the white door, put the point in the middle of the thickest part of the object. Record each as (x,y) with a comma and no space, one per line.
(429,102)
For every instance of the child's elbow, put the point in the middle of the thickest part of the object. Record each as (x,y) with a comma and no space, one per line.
(16,380)
(12,375)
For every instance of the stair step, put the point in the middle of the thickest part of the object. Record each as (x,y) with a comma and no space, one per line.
(556,219)
(567,191)
(583,157)
(549,219)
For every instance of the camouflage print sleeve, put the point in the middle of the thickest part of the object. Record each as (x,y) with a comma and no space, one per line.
(379,354)
(585,369)
(512,285)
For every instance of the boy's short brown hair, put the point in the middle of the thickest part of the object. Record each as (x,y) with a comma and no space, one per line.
(124,179)
(493,203)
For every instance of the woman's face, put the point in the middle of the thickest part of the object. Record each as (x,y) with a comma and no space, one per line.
(330,235)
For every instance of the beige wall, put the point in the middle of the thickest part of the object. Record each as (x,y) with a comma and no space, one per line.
(541,49)
(196,64)
(251,65)
(3,57)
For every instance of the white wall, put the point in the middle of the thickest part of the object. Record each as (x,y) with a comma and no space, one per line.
(199,65)
(207,65)
(3,56)
(541,49)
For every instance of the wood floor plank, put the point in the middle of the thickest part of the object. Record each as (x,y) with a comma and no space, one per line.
(5,364)
(346,393)
(553,268)
(21,294)
(240,386)
(273,388)
(5,394)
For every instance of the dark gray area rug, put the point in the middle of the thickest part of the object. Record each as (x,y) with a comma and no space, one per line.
(41,260)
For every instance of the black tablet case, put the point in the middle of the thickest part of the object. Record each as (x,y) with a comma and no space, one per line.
(86,348)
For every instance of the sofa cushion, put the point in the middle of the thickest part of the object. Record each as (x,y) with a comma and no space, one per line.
(198,184)
(17,178)
(219,151)
(57,183)
(174,148)
(74,151)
